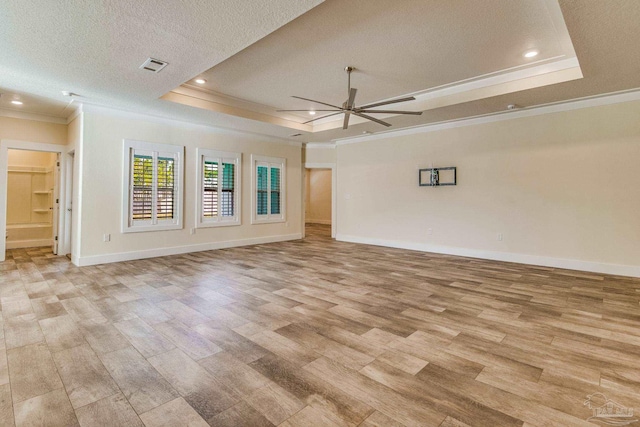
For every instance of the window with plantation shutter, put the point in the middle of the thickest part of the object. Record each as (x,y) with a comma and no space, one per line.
(218,199)
(152,187)
(268,189)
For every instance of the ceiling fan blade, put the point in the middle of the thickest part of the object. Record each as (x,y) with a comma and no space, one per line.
(318,118)
(306,111)
(352,97)
(393,101)
(317,102)
(415,113)
(373,119)
(345,125)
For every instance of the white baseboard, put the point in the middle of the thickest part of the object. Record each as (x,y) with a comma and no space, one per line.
(318,221)
(177,250)
(569,264)
(35,243)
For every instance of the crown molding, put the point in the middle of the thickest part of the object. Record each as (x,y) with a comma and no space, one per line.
(126,114)
(575,104)
(32,116)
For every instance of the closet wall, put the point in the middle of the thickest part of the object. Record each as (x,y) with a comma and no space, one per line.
(30,188)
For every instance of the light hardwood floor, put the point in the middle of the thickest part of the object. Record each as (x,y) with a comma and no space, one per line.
(312,333)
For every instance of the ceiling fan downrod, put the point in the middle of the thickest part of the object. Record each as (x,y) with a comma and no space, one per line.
(349,69)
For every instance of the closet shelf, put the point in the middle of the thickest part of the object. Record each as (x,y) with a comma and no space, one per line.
(42,210)
(42,192)
(33,225)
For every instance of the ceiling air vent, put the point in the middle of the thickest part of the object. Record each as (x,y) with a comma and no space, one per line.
(154,65)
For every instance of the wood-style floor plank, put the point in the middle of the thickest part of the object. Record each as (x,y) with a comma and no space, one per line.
(312,332)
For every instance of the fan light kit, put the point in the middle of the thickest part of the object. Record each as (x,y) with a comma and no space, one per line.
(348,107)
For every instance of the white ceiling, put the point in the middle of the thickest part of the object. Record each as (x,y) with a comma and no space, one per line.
(94,48)
(459,58)
(396,50)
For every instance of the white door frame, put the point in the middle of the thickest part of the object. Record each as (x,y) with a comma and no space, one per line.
(334,192)
(65,247)
(5,146)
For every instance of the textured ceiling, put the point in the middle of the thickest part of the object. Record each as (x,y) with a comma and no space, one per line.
(94,48)
(396,50)
(255,54)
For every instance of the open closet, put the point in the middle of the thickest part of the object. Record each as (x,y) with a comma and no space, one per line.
(31,191)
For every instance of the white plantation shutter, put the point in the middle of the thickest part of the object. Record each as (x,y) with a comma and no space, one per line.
(142,194)
(153,187)
(268,189)
(218,200)
(210,188)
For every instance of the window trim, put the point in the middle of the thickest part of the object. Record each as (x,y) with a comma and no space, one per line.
(157,150)
(222,157)
(269,217)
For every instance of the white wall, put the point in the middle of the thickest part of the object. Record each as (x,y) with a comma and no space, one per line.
(102,183)
(318,196)
(562,188)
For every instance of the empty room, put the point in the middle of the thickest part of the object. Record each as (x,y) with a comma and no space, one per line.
(306,213)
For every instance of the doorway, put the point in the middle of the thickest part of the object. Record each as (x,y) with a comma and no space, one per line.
(319,201)
(32,190)
(29,195)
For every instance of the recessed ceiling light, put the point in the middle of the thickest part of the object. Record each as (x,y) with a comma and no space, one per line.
(531,53)
(201,81)
(313,113)
(16,102)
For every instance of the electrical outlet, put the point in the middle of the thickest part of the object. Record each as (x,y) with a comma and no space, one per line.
(429,231)
(106,237)
(499,237)
(193,231)
(286,224)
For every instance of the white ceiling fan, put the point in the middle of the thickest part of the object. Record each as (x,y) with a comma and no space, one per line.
(348,107)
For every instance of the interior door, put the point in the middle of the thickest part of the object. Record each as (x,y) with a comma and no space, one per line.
(55,203)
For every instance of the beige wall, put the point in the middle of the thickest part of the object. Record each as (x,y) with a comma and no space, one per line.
(72,201)
(557,186)
(38,159)
(318,196)
(33,131)
(24,189)
(315,154)
(102,182)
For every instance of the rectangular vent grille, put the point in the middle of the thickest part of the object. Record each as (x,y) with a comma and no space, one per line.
(154,65)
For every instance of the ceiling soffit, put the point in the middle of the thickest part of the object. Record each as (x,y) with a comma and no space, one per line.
(233,90)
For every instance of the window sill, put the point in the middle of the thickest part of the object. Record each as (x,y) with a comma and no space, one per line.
(218,224)
(267,220)
(147,228)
